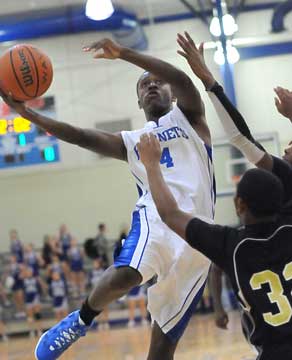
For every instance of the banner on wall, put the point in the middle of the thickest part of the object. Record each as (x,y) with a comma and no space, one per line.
(21,142)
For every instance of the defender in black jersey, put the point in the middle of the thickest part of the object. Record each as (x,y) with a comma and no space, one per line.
(239,136)
(257,258)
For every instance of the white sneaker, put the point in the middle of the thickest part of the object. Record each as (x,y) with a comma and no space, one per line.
(131,324)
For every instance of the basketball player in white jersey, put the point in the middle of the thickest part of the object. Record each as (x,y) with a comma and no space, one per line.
(151,248)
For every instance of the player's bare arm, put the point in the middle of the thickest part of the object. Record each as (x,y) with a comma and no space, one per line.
(102,142)
(283,102)
(150,154)
(188,96)
(215,283)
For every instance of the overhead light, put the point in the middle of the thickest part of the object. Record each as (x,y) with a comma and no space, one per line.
(99,9)
(233,55)
(229,25)
(215,29)
(219,56)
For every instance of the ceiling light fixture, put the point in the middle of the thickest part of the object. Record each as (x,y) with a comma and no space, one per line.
(99,9)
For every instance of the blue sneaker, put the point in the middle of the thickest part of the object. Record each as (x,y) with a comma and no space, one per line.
(55,341)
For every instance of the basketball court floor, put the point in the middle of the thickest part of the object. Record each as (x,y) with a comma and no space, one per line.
(202,341)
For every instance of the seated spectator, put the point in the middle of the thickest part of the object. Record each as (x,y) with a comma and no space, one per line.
(16,246)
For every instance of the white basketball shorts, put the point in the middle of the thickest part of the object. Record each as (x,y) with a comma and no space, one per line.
(153,249)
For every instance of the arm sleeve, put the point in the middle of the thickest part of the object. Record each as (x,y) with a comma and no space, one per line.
(283,170)
(211,240)
(235,126)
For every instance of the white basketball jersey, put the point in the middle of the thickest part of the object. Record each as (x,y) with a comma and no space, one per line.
(186,164)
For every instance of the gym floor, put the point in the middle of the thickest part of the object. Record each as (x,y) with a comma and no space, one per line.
(202,341)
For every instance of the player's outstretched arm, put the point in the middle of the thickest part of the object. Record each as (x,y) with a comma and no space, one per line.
(104,143)
(232,121)
(150,154)
(199,234)
(188,96)
(283,102)
(215,284)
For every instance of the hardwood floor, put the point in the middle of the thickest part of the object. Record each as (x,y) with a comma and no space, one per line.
(202,341)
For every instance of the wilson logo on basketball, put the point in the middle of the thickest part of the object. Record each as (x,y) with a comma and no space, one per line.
(25,69)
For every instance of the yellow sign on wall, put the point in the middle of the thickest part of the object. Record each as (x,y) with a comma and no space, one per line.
(16,125)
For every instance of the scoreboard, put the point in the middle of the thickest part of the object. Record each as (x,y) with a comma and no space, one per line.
(21,142)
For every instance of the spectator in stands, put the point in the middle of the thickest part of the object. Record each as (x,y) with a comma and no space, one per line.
(76,260)
(55,266)
(64,242)
(32,259)
(101,243)
(16,246)
(136,298)
(94,276)
(32,291)
(58,291)
(15,271)
(47,250)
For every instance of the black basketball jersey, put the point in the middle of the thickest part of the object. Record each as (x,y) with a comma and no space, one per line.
(258,260)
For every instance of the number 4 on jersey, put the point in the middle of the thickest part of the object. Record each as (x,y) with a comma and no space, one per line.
(166,158)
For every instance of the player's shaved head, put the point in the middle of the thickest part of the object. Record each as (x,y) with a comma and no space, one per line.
(143,75)
(262,192)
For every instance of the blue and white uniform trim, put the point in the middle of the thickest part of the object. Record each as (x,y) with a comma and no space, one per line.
(133,247)
(177,331)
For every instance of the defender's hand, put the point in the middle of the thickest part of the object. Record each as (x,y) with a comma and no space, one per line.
(104,49)
(221,319)
(284,102)
(149,150)
(195,58)
(18,106)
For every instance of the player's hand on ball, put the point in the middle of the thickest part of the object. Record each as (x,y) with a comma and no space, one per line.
(104,49)
(221,320)
(149,150)
(18,106)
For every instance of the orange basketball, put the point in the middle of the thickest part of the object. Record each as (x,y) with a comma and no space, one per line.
(25,72)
